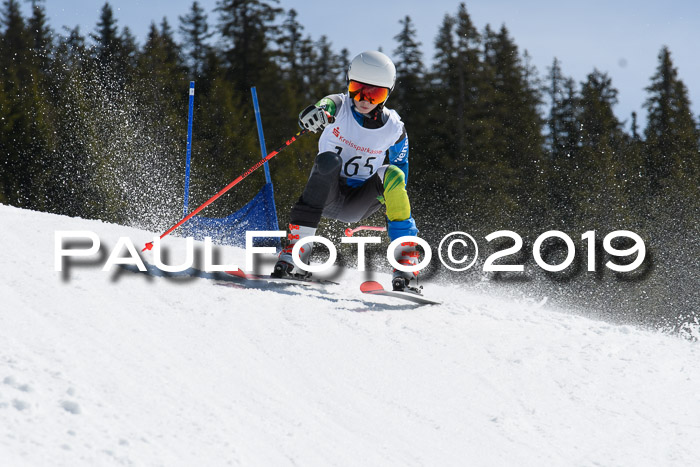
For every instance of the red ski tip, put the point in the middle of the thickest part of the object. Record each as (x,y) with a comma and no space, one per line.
(149,247)
(349,232)
(371,286)
(238,273)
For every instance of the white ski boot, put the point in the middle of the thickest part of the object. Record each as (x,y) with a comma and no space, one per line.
(285,266)
(406,254)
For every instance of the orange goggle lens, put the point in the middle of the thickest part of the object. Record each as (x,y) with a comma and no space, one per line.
(365,92)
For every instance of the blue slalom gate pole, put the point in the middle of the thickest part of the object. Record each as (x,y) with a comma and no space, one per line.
(189,150)
(261,137)
(263,149)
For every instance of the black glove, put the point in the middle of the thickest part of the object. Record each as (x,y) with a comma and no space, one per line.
(314,118)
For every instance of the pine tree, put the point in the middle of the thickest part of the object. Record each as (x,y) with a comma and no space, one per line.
(479,168)
(290,43)
(161,72)
(467,78)
(172,49)
(114,53)
(410,100)
(41,35)
(29,135)
(44,115)
(444,51)
(247,28)
(16,77)
(671,154)
(15,35)
(195,30)
(127,53)
(107,43)
(308,57)
(671,135)
(440,95)
(75,191)
(325,69)
(295,59)
(463,112)
(453,113)
(73,49)
(598,190)
(440,140)
(562,142)
(408,96)
(516,144)
(449,87)
(600,128)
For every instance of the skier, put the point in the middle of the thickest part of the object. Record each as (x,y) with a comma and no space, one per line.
(349,180)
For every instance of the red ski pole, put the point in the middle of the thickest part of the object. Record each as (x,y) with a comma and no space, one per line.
(257,165)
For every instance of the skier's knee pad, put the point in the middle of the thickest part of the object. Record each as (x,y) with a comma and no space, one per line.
(323,176)
(398,208)
(328,163)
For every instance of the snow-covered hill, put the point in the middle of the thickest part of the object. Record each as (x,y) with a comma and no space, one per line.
(121,368)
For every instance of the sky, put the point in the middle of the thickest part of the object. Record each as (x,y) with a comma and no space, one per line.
(622,37)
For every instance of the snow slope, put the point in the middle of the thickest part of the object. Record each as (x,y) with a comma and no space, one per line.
(122,368)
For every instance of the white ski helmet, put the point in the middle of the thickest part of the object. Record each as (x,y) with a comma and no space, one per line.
(373,68)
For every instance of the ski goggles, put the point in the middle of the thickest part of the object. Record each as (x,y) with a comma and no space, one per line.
(365,92)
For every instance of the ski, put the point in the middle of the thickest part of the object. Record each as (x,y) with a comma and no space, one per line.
(280,280)
(375,288)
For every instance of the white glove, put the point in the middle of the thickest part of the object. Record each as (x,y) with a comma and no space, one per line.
(314,118)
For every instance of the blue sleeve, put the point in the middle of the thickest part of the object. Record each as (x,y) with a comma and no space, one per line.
(398,155)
